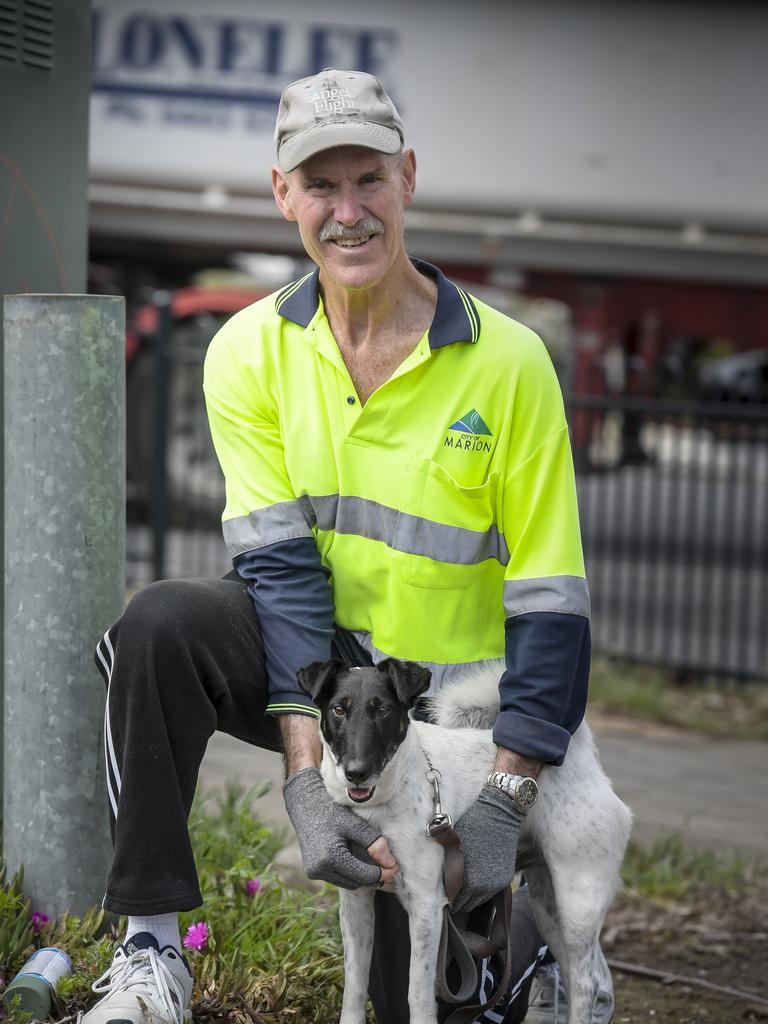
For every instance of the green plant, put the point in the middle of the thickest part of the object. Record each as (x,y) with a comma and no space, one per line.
(90,945)
(717,707)
(670,869)
(271,953)
(16,928)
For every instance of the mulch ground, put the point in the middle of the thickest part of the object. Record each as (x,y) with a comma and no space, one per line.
(716,936)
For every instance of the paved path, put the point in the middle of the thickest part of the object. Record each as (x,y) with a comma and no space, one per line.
(713,791)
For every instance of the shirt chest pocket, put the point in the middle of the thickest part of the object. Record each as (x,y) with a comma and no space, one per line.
(444,530)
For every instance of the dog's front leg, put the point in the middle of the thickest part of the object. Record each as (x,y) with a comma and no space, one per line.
(356,919)
(425,920)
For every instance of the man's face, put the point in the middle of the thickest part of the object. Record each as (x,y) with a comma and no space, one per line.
(348,203)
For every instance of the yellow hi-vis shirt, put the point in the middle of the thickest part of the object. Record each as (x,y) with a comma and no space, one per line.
(443,507)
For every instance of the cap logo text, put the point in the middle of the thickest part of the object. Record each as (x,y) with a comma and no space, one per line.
(332,101)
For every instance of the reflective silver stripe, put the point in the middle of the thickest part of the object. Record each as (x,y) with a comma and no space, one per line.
(410,534)
(362,517)
(566,594)
(283,521)
(324,508)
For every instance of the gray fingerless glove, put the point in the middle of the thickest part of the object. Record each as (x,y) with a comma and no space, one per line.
(489,831)
(325,830)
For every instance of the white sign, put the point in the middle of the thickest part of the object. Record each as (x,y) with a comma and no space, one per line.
(587,109)
(184,95)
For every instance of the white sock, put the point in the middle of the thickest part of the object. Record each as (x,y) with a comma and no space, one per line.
(164,927)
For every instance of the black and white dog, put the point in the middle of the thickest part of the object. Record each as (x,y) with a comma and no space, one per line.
(374,760)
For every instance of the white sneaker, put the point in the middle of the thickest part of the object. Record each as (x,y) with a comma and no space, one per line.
(547,1003)
(144,985)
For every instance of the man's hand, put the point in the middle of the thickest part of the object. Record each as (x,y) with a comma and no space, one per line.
(489,832)
(326,831)
(323,827)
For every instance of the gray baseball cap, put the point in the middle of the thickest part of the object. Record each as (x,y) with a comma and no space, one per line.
(335,108)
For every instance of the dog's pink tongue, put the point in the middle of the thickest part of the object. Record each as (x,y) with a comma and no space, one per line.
(359,794)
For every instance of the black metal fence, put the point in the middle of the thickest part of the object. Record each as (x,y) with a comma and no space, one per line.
(674,515)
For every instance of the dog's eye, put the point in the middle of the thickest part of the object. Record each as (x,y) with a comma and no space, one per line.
(339,711)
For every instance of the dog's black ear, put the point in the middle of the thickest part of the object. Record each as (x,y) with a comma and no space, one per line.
(408,679)
(314,677)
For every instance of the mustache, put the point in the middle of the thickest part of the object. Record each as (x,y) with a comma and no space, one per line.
(367,226)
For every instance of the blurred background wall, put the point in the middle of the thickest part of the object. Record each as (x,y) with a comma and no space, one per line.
(608,158)
(623,138)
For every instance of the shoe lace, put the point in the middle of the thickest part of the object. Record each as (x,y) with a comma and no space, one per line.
(558,988)
(144,969)
(550,992)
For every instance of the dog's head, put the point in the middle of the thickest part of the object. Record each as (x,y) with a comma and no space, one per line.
(364,715)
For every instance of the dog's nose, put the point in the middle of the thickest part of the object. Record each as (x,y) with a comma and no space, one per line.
(356,772)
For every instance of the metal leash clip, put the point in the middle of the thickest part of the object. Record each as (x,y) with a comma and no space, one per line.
(441,820)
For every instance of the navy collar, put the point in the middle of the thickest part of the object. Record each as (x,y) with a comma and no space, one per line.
(455,319)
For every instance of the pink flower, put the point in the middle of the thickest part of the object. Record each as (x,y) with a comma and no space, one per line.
(252,886)
(197,936)
(38,920)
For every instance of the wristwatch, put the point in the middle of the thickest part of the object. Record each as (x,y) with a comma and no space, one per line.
(522,789)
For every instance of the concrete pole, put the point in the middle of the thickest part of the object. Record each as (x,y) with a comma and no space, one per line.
(64,446)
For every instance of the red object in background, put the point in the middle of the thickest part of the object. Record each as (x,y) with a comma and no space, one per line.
(683,307)
(186,302)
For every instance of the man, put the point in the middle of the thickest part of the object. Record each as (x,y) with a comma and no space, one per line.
(399,483)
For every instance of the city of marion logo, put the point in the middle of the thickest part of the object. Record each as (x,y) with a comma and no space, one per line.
(470,433)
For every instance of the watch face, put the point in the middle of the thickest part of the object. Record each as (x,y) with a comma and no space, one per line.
(526,793)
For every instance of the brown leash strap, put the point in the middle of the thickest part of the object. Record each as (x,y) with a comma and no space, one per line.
(443,832)
(453,949)
(458,945)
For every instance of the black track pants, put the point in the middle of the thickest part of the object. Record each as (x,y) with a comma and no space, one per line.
(184,660)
